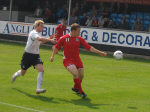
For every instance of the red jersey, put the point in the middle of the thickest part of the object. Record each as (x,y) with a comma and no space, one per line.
(71,46)
(59,31)
(95,22)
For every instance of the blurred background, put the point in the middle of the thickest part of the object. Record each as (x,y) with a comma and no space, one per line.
(118,14)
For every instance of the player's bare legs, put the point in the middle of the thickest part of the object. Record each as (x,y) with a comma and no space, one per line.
(39,68)
(73,70)
(77,86)
(23,72)
(17,74)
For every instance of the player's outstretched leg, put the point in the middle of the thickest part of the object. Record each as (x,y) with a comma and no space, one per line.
(81,75)
(15,75)
(39,83)
(81,92)
(39,68)
(75,87)
(77,81)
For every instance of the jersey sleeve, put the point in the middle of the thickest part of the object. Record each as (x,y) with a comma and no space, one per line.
(35,36)
(59,43)
(84,44)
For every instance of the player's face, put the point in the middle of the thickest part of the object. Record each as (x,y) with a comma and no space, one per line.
(40,28)
(63,22)
(77,32)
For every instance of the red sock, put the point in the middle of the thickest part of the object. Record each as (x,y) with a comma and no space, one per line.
(75,84)
(78,83)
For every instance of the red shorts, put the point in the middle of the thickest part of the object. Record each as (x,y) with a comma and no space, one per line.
(77,62)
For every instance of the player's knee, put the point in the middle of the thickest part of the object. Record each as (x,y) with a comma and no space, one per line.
(75,75)
(41,70)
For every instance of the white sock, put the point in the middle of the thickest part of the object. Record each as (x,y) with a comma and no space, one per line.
(39,80)
(18,73)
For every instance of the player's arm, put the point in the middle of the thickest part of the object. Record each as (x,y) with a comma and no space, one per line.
(91,48)
(53,36)
(57,28)
(56,48)
(44,40)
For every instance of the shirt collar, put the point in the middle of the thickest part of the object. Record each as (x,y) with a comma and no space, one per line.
(71,36)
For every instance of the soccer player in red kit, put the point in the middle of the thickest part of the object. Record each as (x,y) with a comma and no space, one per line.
(71,60)
(60,29)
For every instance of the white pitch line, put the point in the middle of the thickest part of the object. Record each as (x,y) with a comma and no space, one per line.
(20,107)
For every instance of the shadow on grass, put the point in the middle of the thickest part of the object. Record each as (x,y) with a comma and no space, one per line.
(38,97)
(80,102)
(86,102)
(135,108)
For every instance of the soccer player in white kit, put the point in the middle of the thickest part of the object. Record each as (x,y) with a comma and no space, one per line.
(31,55)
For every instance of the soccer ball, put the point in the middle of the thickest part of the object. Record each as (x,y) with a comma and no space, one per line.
(118,55)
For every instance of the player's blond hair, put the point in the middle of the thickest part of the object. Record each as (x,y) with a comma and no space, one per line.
(37,23)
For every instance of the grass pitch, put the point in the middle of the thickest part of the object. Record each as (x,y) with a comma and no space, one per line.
(111,85)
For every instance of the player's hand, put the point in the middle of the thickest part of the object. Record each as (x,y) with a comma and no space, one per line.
(52,59)
(52,36)
(53,41)
(103,54)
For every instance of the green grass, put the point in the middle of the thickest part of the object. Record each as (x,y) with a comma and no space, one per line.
(111,85)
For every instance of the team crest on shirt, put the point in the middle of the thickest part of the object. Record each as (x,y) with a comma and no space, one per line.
(77,39)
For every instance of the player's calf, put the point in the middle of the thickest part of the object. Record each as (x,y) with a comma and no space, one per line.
(16,74)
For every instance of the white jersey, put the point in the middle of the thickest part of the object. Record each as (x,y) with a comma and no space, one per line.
(33,43)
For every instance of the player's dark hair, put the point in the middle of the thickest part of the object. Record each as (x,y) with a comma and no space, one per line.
(75,26)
